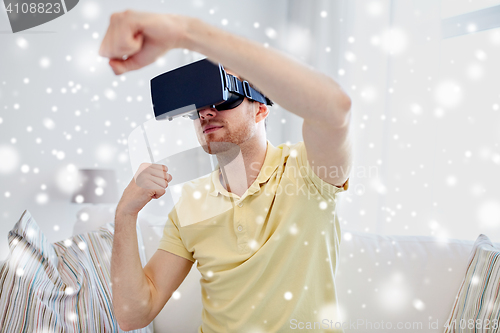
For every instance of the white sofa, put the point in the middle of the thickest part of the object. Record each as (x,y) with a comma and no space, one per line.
(382,280)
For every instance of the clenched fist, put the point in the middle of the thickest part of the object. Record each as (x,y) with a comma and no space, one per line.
(136,39)
(149,182)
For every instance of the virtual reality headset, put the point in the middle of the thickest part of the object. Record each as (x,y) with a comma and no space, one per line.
(187,89)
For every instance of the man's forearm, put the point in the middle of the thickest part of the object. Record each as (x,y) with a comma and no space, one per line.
(131,291)
(299,89)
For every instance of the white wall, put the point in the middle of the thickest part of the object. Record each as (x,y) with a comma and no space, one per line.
(427,116)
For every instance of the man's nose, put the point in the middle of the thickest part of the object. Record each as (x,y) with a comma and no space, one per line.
(207,112)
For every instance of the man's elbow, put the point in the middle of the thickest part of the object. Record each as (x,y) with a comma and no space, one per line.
(132,320)
(340,114)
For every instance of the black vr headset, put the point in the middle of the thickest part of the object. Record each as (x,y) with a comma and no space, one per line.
(186,90)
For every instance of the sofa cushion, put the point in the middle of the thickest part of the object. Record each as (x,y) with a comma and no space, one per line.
(60,287)
(477,304)
(407,279)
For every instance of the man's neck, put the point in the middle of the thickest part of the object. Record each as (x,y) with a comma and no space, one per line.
(239,173)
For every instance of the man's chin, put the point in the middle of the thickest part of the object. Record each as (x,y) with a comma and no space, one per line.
(217,147)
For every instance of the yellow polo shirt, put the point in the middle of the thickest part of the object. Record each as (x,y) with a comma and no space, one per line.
(268,259)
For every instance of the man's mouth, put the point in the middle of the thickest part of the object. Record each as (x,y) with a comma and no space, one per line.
(212,129)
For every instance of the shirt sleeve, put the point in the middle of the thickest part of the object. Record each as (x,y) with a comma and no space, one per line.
(324,188)
(171,240)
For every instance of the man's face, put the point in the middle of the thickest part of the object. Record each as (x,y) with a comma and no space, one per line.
(235,127)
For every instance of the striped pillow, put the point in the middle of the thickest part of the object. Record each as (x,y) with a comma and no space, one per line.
(477,305)
(60,287)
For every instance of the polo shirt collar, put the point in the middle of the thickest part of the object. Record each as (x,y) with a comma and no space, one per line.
(271,162)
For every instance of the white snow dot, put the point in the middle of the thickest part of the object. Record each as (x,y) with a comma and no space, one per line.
(288,295)
(44,62)
(56,228)
(451,180)
(418,304)
(176,295)
(210,274)
(49,123)
(271,33)
(99,191)
(68,242)
(42,198)
(475,71)
(90,10)
(481,55)
(110,94)
(84,216)
(224,22)
(488,214)
(347,236)
(349,56)
(323,205)
(416,109)
(95,35)
(374,8)
(324,14)
(69,291)
(10,159)
(82,246)
(79,198)
(25,168)
(26,80)
(7,194)
(471,27)
(20,272)
(22,43)
(197,194)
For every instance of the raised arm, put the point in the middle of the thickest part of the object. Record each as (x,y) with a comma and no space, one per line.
(143,37)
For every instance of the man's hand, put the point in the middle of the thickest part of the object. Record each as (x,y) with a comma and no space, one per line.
(136,39)
(149,182)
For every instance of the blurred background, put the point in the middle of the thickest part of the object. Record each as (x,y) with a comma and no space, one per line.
(422,76)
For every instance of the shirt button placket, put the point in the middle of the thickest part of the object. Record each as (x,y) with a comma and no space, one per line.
(238,214)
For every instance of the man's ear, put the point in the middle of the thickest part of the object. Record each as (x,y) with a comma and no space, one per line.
(262,112)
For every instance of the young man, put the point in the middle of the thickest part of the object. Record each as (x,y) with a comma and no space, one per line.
(268,263)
